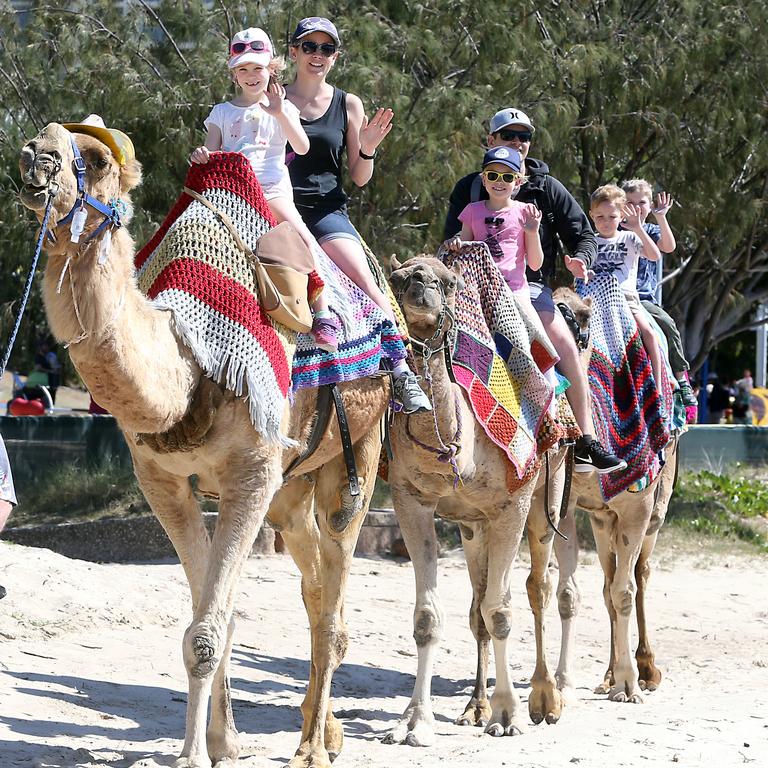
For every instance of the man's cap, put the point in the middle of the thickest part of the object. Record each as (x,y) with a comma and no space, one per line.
(119,144)
(504,155)
(510,116)
(315,24)
(262,54)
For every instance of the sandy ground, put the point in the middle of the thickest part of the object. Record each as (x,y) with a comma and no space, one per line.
(91,671)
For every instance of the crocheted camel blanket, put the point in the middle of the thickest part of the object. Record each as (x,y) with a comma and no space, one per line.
(193,267)
(500,358)
(631,411)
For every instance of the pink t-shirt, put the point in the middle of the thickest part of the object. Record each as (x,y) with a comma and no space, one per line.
(504,235)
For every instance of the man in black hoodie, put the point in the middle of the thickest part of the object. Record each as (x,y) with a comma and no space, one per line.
(563,219)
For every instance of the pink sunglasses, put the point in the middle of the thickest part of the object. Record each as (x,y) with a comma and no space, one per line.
(254,45)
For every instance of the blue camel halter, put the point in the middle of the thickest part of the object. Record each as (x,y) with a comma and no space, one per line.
(108,211)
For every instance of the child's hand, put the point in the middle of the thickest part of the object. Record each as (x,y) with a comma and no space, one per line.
(632,217)
(453,244)
(201,155)
(663,204)
(275,95)
(373,133)
(531,218)
(577,268)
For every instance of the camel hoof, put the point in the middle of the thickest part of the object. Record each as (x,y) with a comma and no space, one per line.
(536,718)
(604,687)
(497,729)
(649,685)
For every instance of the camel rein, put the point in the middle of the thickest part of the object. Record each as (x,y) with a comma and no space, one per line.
(446,452)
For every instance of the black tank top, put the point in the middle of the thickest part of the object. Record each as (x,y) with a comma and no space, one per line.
(316,176)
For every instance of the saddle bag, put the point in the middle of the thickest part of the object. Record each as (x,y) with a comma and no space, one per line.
(281,266)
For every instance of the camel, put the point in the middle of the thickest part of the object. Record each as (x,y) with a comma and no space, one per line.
(465,481)
(625,530)
(178,423)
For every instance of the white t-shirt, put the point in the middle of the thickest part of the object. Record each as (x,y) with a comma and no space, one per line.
(619,255)
(258,136)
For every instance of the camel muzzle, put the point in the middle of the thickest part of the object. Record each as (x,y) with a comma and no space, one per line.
(38,174)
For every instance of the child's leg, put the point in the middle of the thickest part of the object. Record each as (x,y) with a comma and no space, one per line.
(667,324)
(350,258)
(651,343)
(283,209)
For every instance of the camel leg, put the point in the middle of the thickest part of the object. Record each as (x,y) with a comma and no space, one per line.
(416,519)
(504,534)
(568,599)
(340,517)
(631,527)
(545,701)
(602,527)
(247,485)
(173,503)
(293,516)
(649,673)
(475,543)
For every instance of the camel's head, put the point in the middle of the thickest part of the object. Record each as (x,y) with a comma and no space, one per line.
(49,160)
(425,288)
(576,312)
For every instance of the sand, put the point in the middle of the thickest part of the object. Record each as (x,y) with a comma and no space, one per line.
(91,671)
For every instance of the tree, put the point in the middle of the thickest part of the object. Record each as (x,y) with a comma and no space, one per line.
(673,91)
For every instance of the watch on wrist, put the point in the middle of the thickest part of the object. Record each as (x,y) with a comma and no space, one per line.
(366,157)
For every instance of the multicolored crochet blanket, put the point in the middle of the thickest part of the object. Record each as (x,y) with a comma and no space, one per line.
(193,267)
(630,410)
(500,358)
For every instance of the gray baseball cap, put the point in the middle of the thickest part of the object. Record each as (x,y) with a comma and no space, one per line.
(315,24)
(510,116)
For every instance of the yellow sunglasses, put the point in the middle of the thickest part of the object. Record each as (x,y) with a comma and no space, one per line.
(507,178)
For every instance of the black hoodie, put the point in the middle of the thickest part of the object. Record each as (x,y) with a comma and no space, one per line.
(561,213)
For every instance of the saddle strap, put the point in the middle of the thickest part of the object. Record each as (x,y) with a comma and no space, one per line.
(346,442)
(570,460)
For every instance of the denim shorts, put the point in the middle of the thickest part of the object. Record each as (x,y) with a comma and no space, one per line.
(329,225)
(541,298)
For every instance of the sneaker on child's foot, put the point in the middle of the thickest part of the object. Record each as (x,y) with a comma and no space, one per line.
(325,333)
(686,393)
(409,394)
(591,456)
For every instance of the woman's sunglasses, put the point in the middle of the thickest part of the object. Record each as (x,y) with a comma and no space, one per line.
(507,178)
(507,134)
(326,49)
(254,45)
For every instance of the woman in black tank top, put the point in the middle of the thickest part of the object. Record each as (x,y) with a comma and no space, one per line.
(335,121)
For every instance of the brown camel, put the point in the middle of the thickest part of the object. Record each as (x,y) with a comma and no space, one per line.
(625,530)
(465,482)
(134,364)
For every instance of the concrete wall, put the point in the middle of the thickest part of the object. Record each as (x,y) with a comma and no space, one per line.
(714,447)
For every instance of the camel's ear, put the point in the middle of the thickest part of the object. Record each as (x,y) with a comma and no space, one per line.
(588,301)
(394,264)
(458,281)
(130,176)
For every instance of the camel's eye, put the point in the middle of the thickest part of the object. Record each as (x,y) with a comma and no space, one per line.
(101,162)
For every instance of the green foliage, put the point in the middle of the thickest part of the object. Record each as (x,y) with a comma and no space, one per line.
(69,494)
(672,91)
(720,505)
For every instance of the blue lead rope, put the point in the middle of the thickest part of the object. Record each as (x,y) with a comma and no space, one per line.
(28,286)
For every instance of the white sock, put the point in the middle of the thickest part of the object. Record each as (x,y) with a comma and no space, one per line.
(401,369)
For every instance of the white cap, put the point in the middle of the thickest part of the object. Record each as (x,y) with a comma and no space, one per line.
(510,116)
(257,48)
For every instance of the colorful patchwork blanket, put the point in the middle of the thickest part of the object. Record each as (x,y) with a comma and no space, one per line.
(193,268)
(631,411)
(500,356)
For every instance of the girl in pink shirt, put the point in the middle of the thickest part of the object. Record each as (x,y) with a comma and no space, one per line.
(510,229)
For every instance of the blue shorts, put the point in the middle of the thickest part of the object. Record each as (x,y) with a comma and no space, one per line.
(329,225)
(541,298)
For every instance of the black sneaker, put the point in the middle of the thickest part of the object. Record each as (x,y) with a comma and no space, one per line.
(592,457)
(686,394)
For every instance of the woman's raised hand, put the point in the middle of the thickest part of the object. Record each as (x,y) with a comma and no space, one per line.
(373,133)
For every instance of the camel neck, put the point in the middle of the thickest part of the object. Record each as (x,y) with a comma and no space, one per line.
(123,348)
